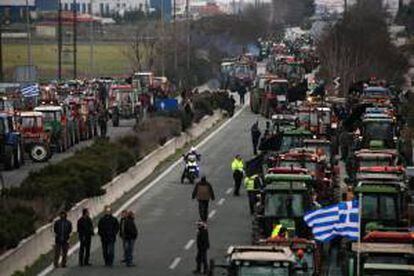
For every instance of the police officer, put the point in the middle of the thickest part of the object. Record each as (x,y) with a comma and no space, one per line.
(252,184)
(237,166)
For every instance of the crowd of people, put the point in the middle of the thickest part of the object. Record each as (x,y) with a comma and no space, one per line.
(108,229)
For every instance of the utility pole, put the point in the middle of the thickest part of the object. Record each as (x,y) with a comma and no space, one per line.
(92,38)
(60,40)
(345,6)
(187,15)
(29,43)
(75,25)
(175,35)
(162,40)
(1,49)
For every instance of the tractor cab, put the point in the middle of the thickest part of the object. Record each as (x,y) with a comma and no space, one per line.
(276,89)
(284,201)
(382,253)
(376,94)
(384,204)
(322,147)
(282,121)
(257,260)
(379,131)
(303,159)
(123,101)
(317,119)
(142,82)
(36,141)
(293,138)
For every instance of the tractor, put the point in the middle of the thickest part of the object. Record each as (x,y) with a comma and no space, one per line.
(284,201)
(11,149)
(56,124)
(36,139)
(270,93)
(381,253)
(250,260)
(124,103)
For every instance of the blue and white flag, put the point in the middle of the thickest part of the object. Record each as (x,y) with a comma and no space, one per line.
(340,219)
(31,90)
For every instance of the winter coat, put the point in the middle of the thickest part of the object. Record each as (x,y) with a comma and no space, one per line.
(62,229)
(122,227)
(108,228)
(203,242)
(130,229)
(203,191)
(255,134)
(85,227)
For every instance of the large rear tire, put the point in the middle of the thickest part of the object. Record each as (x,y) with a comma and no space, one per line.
(39,153)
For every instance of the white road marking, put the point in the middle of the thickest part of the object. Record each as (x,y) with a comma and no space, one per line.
(229,190)
(189,244)
(221,201)
(174,263)
(212,213)
(50,268)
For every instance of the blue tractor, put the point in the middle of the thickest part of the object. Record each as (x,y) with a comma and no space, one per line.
(11,150)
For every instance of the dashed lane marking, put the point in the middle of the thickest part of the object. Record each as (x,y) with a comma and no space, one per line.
(212,213)
(189,244)
(221,201)
(175,263)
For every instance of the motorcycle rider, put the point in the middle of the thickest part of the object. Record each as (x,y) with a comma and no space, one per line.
(190,159)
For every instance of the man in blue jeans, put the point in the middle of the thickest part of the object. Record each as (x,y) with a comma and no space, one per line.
(130,236)
(108,228)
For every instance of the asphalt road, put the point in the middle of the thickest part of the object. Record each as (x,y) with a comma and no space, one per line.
(166,215)
(15,177)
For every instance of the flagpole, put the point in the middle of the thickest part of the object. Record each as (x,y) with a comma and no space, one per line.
(359,234)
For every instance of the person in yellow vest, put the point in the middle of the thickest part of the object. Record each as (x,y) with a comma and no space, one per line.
(252,186)
(237,166)
(279,231)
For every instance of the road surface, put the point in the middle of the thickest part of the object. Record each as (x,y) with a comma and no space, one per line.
(15,177)
(166,215)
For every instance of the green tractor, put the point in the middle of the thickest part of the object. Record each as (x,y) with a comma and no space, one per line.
(379,131)
(56,124)
(284,201)
(284,139)
(384,204)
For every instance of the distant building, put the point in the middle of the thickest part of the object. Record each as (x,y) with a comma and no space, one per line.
(12,11)
(156,6)
(104,7)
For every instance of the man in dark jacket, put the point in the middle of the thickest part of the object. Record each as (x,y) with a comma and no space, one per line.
(108,228)
(62,229)
(130,236)
(124,215)
(203,244)
(203,191)
(85,233)
(255,131)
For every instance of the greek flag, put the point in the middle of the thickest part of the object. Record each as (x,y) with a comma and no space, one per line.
(340,219)
(31,90)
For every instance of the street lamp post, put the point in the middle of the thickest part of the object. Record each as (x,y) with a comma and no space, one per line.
(29,42)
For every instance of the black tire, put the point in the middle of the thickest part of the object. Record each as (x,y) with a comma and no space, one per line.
(39,153)
(9,159)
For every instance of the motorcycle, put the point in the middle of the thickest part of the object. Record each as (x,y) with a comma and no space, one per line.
(191,170)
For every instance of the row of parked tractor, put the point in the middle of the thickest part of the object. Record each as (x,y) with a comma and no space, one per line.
(301,171)
(39,120)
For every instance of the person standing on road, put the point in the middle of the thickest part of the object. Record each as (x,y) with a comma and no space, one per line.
(108,228)
(252,184)
(103,121)
(130,236)
(62,229)
(203,191)
(85,233)
(255,131)
(237,167)
(241,90)
(203,244)
(124,215)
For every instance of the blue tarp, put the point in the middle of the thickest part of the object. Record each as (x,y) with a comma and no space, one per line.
(167,104)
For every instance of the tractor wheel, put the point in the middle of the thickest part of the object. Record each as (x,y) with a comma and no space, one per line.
(18,156)
(9,162)
(39,153)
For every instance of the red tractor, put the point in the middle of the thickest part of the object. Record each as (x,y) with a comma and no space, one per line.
(36,141)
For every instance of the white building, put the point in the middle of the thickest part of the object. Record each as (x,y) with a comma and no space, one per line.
(105,7)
